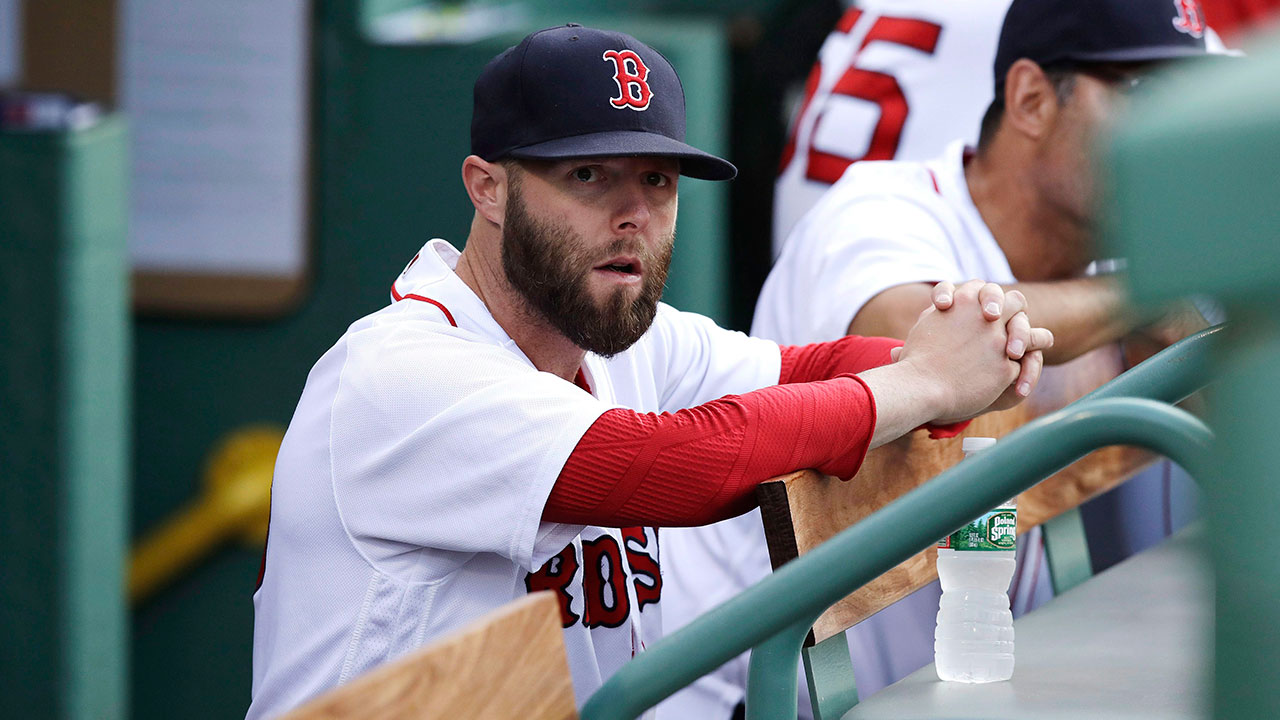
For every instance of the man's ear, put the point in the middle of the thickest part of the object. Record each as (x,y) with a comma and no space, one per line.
(1030,101)
(486,185)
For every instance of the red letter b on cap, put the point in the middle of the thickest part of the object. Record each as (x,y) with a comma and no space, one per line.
(629,73)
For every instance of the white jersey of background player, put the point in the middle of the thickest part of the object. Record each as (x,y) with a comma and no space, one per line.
(896,79)
(405,554)
(936,96)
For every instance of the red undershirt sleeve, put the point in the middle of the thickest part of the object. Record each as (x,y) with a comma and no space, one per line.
(701,464)
(849,354)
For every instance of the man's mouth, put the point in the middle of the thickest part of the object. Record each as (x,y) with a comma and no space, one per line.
(625,266)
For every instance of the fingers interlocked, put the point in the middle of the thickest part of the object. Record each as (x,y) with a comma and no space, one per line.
(1024,342)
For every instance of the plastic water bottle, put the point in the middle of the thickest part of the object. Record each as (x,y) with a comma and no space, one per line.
(973,641)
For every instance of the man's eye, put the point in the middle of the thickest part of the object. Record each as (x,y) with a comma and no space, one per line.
(656,179)
(587,174)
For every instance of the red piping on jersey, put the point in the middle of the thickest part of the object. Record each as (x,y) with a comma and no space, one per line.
(934,178)
(411,296)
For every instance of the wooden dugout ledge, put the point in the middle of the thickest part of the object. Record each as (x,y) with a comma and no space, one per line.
(804,509)
(510,663)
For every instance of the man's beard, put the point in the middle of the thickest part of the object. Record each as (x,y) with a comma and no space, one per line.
(550,268)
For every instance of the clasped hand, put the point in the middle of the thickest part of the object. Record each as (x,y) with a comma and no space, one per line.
(978,344)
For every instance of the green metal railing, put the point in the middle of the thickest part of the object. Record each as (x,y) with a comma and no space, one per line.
(773,617)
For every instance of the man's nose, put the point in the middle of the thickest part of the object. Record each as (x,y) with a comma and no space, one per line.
(633,209)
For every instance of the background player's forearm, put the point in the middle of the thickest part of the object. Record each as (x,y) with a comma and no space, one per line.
(1082,313)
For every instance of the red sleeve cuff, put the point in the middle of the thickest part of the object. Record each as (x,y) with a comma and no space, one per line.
(853,460)
(942,432)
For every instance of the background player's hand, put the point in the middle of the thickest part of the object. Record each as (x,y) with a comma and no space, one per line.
(1181,320)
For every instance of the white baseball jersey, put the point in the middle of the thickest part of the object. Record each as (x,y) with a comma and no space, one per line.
(409,489)
(895,80)
(882,224)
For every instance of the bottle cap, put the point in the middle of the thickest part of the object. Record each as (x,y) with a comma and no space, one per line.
(974,444)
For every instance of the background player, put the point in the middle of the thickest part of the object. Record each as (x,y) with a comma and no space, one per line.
(864,261)
(895,80)
(900,80)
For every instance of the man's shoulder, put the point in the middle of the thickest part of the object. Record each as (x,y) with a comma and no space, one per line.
(676,336)
(416,341)
(905,181)
(872,198)
(407,320)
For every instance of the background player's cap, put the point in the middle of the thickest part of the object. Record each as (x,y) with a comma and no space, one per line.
(572,91)
(1098,31)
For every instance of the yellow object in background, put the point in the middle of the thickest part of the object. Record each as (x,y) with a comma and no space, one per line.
(235,504)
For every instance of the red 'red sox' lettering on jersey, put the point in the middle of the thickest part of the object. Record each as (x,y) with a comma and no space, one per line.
(617,578)
(631,75)
(557,575)
(646,576)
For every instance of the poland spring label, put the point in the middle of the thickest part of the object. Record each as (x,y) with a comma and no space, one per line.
(997,530)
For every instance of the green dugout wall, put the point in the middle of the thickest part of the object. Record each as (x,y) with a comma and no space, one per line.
(64,433)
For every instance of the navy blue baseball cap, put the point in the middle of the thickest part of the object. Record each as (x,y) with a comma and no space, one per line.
(572,91)
(1054,32)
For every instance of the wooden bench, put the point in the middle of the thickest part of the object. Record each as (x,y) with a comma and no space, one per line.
(510,663)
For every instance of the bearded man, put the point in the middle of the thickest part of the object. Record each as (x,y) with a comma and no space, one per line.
(526,413)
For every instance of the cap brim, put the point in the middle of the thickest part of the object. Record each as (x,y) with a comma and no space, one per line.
(631,143)
(1142,54)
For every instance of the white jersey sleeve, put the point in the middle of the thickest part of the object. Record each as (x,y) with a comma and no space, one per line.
(436,425)
(842,255)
